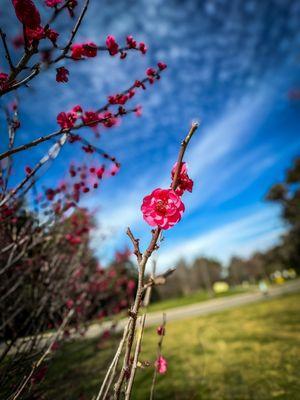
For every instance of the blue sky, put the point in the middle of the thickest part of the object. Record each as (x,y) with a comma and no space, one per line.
(231,64)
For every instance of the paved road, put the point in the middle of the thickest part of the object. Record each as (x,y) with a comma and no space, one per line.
(204,308)
(193,310)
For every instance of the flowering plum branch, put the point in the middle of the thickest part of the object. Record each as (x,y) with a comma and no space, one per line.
(163,208)
(29,16)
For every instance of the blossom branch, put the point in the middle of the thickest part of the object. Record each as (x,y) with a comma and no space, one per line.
(159,279)
(7,53)
(140,335)
(58,10)
(34,71)
(183,147)
(62,131)
(46,353)
(42,139)
(22,65)
(153,245)
(161,331)
(52,153)
(135,243)
(74,31)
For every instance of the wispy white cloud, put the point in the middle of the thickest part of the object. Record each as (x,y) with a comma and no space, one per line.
(208,158)
(240,236)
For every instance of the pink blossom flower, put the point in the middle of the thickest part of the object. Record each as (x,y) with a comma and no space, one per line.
(100,172)
(52,3)
(50,194)
(69,303)
(27,13)
(3,80)
(77,109)
(52,35)
(90,49)
(161,65)
(113,170)
(138,84)
(36,33)
(90,118)
(112,45)
(66,120)
(77,51)
(131,42)
(118,99)
(160,330)
(143,48)
(184,181)
(130,286)
(162,208)
(161,365)
(138,111)
(62,74)
(108,119)
(73,240)
(150,72)
(28,170)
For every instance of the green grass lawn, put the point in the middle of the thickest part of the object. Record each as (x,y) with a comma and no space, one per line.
(252,352)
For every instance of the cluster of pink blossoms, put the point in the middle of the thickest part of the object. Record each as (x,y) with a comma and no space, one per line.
(62,74)
(3,80)
(70,6)
(114,48)
(67,120)
(90,49)
(80,50)
(29,16)
(164,207)
(161,365)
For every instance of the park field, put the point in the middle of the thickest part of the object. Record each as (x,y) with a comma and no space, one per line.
(248,353)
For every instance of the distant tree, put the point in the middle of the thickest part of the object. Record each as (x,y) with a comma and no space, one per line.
(237,272)
(287,194)
(251,269)
(205,272)
(178,283)
(183,277)
(201,274)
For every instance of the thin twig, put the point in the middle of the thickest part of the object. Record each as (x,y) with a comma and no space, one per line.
(135,243)
(24,81)
(159,279)
(7,53)
(39,362)
(136,357)
(112,368)
(52,153)
(74,31)
(140,336)
(159,348)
